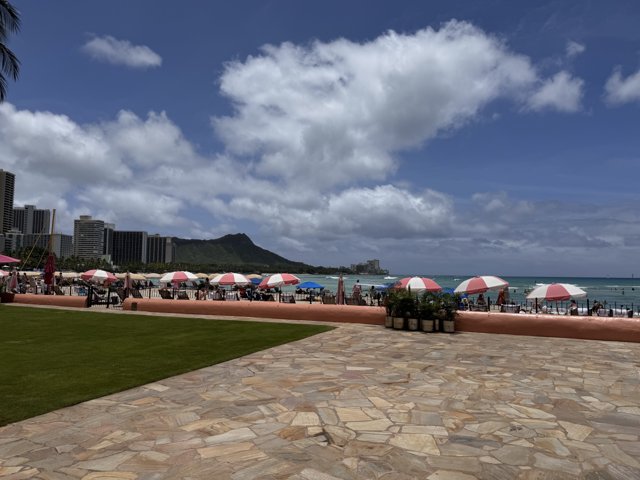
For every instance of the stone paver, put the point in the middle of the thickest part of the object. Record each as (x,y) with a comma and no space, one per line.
(359,402)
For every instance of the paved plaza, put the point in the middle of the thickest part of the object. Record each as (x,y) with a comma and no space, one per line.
(359,402)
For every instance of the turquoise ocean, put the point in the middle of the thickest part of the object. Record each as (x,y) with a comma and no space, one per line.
(615,291)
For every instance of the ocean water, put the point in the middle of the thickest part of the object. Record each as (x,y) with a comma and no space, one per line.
(615,291)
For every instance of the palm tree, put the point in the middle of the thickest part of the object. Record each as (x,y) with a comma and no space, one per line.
(9,63)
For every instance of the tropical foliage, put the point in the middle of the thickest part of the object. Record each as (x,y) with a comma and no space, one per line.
(9,63)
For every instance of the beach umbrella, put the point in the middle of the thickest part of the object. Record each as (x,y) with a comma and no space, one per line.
(13,282)
(177,277)
(278,280)
(306,285)
(4,273)
(481,284)
(98,276)
(202,275)
(340,291)
(4,259)
(132,276)
(253,276)
(230,279)
(50,270)
(418,283)
(30,273)
(152,275)
(556,292)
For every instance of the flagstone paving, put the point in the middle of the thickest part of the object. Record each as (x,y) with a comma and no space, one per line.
(359,402)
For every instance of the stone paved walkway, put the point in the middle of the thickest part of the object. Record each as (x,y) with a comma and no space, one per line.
(359,402)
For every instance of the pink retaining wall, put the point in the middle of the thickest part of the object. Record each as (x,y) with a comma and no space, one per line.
(563,326)
(287,311)
(51,300)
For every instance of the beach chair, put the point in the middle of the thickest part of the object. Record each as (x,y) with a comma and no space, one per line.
(121,294)
(135,293)
(329,299)
(165,294)
(182,295)
(99,299)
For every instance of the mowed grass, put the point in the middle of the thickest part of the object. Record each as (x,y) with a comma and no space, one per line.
(54,358)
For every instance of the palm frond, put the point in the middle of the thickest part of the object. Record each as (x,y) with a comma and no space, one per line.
(9,63)
(9,18)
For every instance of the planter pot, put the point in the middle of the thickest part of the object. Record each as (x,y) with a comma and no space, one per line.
(449,326)
(413,324)
(388,321)
(398,323)
(427,325)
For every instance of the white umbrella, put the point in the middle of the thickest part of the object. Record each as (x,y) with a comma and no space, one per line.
(418,283)
(481,284)
(556,292)
(152,275)
(98,276)
(177,277)
(230,279)
(278,280)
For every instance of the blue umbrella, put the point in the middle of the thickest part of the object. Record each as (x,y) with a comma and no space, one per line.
(256,281)
(309,285)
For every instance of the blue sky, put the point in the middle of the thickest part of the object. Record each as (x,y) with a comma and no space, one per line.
(441,137)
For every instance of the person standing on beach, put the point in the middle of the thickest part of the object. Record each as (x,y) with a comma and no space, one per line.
(357,291)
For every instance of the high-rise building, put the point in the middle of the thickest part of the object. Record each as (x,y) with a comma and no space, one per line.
(29,219)
(7,186)
(88,237)
(13,240)
(129,247)
(109,228)
(61,244)
(160,249)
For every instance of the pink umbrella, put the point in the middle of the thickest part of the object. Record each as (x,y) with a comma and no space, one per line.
(230,279)
(5,259)
(4,273)
(278,280)
(418,283)
(98,276)
(556,292)
(178,277)
(481,284)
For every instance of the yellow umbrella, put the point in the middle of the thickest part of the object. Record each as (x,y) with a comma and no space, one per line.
(30,274)
(152,275)
(202,275)
(253,275)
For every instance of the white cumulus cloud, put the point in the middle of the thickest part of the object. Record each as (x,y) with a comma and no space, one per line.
(121,52)
(562,92)
(329,113)
(619,90)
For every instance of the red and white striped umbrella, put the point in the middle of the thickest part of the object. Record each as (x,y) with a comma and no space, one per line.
(4,273)
(98,276)
(178,277)
(418,283)
(556,292)
(230,279)
(278,280)
(481,284)
(5,259)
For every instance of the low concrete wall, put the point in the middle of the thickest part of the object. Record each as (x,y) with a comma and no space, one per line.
(563,326)
(51,300)
(287,311)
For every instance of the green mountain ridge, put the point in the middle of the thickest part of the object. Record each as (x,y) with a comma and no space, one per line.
(234,249)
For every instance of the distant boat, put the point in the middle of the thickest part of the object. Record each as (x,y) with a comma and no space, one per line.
(390,278)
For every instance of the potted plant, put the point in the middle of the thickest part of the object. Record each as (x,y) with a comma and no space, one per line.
(405,306)
(448,310)
(426,312)
(413,320)
(390,301)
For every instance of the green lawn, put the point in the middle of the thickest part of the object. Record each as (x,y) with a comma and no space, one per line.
(54,358)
